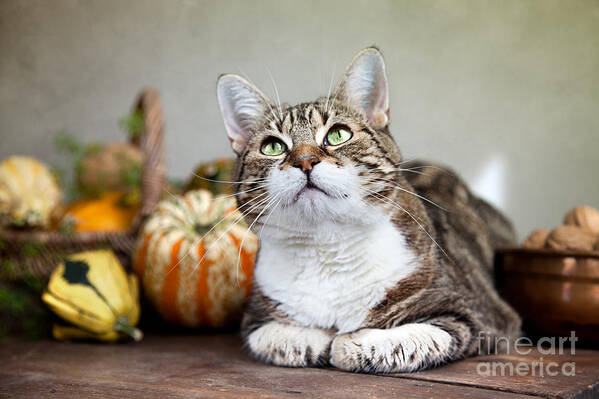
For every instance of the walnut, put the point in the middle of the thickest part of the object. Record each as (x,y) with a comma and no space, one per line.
(572,238)
(584,216)
(536,239)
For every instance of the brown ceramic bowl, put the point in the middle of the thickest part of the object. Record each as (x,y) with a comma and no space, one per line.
(555,292)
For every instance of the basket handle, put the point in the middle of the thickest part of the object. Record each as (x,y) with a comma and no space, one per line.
(151,143)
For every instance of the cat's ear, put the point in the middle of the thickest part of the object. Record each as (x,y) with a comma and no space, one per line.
(242,106)
(364,85)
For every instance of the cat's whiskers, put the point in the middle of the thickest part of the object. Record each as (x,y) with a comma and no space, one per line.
(417,167)
(391,202)
(243,192)
(274,85)
(240,182)
(201,237)
(233,224)
(386,199)
(268,216)
(273,122)
(171,194)
(391,170)
(424,167)
(388,184)
(406,161)
(414,169)
(249,181)
(274,198)
(326,107)
(245,75)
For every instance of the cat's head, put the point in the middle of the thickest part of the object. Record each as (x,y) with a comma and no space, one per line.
(330,159)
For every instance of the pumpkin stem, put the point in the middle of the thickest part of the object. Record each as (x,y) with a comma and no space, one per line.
(122,325)
(202,229)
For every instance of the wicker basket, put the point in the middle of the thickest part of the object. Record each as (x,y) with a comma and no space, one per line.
(37,252)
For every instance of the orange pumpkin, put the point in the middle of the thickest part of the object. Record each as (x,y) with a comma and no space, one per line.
(106,213)
(195,257)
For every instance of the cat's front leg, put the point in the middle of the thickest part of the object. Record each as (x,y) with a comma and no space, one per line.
(406,348)
(289,345)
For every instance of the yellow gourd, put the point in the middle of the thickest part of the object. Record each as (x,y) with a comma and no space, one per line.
(189,259)
(28,192)
(92,291)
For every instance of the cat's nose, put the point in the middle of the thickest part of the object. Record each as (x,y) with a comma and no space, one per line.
(306,162)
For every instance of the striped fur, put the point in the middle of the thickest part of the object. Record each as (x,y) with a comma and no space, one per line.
(420,300)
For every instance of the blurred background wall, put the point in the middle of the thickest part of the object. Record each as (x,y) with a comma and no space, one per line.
(504,92)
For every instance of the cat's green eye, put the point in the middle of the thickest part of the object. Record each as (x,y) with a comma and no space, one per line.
(337,136)
(273,147)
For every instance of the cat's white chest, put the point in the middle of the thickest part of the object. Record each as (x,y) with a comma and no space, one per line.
(333,280)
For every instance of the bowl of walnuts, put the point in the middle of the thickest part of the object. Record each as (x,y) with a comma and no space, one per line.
(553,279)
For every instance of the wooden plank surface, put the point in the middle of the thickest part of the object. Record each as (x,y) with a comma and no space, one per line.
(208,366)
(584,384)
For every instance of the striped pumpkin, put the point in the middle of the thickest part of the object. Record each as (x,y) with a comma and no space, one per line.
(190,262)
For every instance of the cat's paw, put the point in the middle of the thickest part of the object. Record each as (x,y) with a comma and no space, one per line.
(406,348)
(288,345)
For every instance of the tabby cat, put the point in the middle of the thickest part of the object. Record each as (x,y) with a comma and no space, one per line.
(366,262)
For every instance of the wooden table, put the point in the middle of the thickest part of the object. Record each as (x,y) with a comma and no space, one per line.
(215,366)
